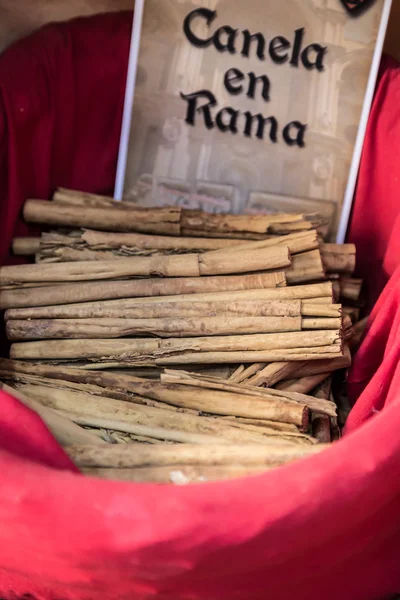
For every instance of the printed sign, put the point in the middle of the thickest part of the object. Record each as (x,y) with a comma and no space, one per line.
(249,106)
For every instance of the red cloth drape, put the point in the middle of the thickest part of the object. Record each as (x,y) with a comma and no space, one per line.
(61,100)
(374,380)
(324,528)
(375,223)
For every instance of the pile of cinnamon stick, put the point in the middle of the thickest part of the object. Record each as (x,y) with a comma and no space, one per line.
(179,328)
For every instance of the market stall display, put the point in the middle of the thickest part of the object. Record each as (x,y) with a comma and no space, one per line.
(206,330)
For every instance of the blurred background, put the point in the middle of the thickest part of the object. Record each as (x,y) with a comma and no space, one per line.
(19,18)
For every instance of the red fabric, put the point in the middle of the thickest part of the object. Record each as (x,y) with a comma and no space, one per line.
(61,100)
(374,380)
(375,223)
(25,435)
(325,528)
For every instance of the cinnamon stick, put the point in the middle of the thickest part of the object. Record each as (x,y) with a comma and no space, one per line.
(236,373)
(311,293)
(243,373)
(305,267)
(161,434)
(271,425)
(152,220)
(303,385)
(25,246)
(321,428)
(339,258)
(276,372)
(309,309)
(350,289)
(218,403)
(154,433)
(153,422)
(270,428)
(311,343)
(195,220)
(141,456)
(272,373)
(209,223)
(66,254)
(159,310)
(278,355)
(109,290)
(324,390)
(61,329)
(228,261)
(286,228)
(210,383)
(218,262)
(305,369)
(321,323)
(230,235)
(104,240)
(92,245)
(84,199)
(353,312)
(199,359)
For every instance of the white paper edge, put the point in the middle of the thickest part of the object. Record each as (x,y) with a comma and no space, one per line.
(129,99)
(362,128)
(355,164)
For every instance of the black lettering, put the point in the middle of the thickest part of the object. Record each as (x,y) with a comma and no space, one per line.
(262,122)
(229,43)
(248,39)
(276,46)
(232,76)
(232,123)
(204,13)
(298,41)
(253,84)
(318,62)
(298,138)
(193,107)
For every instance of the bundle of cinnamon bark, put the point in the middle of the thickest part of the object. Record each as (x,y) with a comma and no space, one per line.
(236,429)
(181,328)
